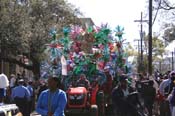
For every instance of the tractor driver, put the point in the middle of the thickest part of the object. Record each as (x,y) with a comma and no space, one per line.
(83,82)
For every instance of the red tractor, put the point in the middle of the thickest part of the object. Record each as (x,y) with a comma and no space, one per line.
(81,100)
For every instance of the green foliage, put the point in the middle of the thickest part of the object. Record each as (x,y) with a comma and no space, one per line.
(129,50)
(25,26)
(158,48)
(13,29)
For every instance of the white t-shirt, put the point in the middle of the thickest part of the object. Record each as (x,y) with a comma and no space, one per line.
(4,82)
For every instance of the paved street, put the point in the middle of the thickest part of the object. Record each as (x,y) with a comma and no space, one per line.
(84,114)
(87,114)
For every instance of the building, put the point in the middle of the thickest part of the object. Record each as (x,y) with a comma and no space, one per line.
(86,43)
(87,22)
(10,68)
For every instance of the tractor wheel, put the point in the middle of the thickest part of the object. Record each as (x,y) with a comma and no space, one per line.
(94,110)
(101,103)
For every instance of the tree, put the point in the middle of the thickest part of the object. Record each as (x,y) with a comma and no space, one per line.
(13,29)
(166,10)
(129,50)
(25,28)
(158,49)
(165,4)
(169,33)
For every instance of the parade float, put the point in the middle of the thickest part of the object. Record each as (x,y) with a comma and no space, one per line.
(96,52)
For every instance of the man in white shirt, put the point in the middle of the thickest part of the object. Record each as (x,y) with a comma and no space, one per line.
(4,83)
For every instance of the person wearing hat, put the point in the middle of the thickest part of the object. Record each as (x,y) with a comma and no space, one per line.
(165,89)
(83,81)
(149,96)
(21,96)
(167,85)
(107,85)
(52,101)
(119,97)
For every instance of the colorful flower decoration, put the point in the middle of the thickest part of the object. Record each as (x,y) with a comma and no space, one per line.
(107,49)
(119,32)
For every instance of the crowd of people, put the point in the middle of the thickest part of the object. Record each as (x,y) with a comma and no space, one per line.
(132,100)
(44,97)
(154,95)
(21,91)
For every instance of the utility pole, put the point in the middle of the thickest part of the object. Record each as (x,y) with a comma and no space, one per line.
(138,57)
(150,39)
(141,21)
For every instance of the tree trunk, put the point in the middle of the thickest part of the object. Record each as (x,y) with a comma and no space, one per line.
(36,70)
(36,67)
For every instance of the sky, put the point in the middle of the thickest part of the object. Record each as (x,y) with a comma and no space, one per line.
(116,12)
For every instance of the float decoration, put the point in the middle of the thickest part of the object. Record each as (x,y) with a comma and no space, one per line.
(107,50)
(54,47)
(121,61)
(102,40)
(66,42)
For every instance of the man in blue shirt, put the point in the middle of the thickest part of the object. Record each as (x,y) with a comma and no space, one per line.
(52,101)
(21,96)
